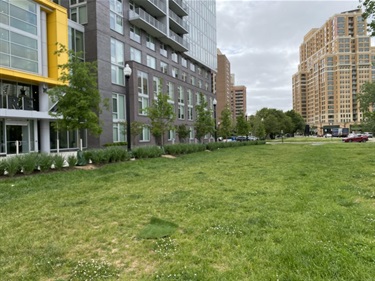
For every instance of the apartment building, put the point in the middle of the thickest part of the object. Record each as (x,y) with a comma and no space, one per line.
(238,100)
(335,61)
(168,44)
(29,31)
(223,84)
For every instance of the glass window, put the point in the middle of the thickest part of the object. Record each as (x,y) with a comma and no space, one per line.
(135,55)
(78,12)
(192,67)
(116,16)
(117,61)
(170,90)
(135,33)
(151,62)
(163,50)
(156,86)
(145,135)
(118,116)
(174,57)
(163,67)
(174,72)
(150,42)
(183,62)
(143,97)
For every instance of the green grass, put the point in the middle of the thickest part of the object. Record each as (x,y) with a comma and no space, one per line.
(307,139)
(265,212)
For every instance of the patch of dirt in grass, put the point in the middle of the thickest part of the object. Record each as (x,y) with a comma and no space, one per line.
(168,156)
(87,167)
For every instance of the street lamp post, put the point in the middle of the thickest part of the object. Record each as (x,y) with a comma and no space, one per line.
(214,104)
(127,73)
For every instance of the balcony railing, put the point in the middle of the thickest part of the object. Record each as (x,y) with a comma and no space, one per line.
(179,7)
(144,20)
(177,23)
(154,7)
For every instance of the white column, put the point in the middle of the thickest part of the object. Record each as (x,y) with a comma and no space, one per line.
(45,145)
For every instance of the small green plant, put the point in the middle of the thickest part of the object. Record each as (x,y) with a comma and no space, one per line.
(72,161)
(12,165)
(58,161)
(2,167)
(93,270)
(28,163)
(45,162)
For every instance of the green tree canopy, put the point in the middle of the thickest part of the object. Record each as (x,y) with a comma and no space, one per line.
(298,123)
(204,122)
(183,132)
(225,128)
(78,98)
(242,126)
(368,7)
(162,117)
(366,100)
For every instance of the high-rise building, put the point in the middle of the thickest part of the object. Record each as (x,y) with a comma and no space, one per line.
(223,84)
(335,60)
(170,45)
(239,101)
(29,31)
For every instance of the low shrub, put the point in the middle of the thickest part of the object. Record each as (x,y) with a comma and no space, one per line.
(45,162)
(28,162)
(12,165)
(121,143)
(183,148)
(72,160)
(58,161)
(147,152)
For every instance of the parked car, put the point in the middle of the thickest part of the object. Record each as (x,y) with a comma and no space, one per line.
(241,138)
(355,138)
(328,135)
(368,134)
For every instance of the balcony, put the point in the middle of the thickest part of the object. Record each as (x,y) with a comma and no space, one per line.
(145,21)
(177,24)
(156,8)
(176,42)
(179,7)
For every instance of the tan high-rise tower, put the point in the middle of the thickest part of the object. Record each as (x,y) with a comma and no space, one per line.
(223,84)
(335,61)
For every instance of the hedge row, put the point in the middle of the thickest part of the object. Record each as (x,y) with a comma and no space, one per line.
(31,162)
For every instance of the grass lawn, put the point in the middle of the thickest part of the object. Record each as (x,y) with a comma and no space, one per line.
(306,139)
(264,212)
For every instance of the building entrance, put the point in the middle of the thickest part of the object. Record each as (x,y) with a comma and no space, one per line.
(16,133)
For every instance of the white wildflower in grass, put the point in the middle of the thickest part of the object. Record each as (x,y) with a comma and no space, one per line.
(225,229)
(94,270)
(183,274)
(165,247)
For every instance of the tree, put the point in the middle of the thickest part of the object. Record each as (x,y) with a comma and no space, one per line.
(242,126)
(298,123)
(367,102)
(135,129)
(225,129)
(78,98)
(204,123)
(183,132)
(368,7)
(257,127)
(162,117)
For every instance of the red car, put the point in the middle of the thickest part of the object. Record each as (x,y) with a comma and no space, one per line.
(355,138)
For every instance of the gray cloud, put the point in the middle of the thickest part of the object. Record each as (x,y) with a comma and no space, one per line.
(261,39)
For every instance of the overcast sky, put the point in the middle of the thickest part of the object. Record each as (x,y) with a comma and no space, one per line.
(261,39)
